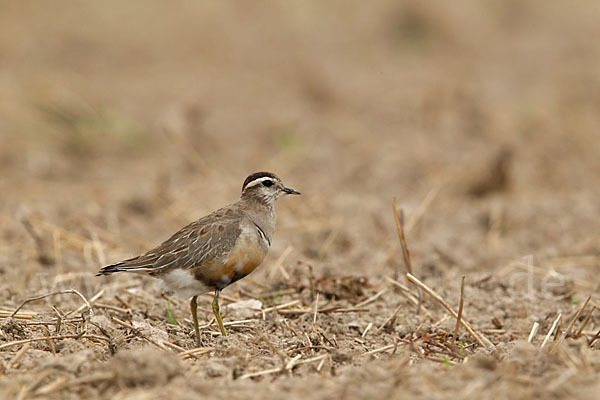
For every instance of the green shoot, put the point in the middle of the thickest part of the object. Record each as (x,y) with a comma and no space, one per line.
(169,314)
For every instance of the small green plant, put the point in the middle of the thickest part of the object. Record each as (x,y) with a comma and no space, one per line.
(574,301)
(169,314)
(446,361)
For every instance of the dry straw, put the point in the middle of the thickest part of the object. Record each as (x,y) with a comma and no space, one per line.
(479,338)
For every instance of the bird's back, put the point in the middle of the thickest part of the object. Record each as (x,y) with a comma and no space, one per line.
(204,241)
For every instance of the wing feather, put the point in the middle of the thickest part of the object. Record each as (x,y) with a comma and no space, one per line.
(204,241)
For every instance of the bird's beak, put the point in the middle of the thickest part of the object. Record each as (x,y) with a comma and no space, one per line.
(290,191)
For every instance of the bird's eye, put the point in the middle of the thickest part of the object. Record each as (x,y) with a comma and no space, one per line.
(267,183)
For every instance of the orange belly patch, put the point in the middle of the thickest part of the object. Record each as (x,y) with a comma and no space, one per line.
(244,258)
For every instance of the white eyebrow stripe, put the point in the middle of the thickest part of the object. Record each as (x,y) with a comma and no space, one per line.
(258,180)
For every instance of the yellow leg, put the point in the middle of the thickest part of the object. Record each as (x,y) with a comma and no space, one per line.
(194,308)
(215,305)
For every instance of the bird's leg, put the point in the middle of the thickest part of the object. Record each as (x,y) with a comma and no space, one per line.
(215,305)
(194,308)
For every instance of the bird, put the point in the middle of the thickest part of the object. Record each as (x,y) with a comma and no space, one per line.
(214,251)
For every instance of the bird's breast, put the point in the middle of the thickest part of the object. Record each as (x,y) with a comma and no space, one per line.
(244,257)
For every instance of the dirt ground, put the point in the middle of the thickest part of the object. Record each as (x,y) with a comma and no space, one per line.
(123,121)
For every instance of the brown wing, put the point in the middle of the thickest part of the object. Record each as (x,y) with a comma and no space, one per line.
(203,241)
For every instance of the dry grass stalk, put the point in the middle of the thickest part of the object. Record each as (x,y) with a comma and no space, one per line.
(370,299)
(67,291)
(501,331)
(403,287)
(533,332)
(282,356)
(278,266)
(335,309)
(18,355)
(112,308)
(139,333)
(279,307)
(576,317)
(92,300)
(56,322)
(399,218)
(585,322)
(289,364)
(308,341)
(59,337)
(479,338)
(389,319)
(49,341)
(596,336)
(338,309)
(173,346)
(551,331)
(292,362)
(316,311)
(59,319)
(321,365)
(311,360)
(369,326)
(379,350)
(230,323)
(413,220)
(52,387)
(460,307)
(260,373)
(402,238)
(122,302)
(195,352)
(441,320)
(557,330)
(19,315)
(410,296)
(422,208)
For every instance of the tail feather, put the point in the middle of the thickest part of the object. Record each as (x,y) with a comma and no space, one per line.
(136,264)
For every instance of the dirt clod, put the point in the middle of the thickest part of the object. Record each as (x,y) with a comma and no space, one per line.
(13,329)
(215,369)
(341,356)
(144,367)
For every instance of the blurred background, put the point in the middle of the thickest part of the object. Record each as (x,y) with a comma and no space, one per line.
(121,122)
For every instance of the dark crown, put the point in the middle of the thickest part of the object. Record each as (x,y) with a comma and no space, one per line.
(258,175)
